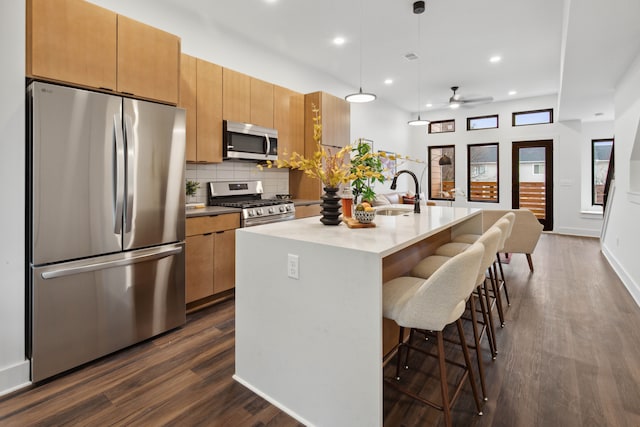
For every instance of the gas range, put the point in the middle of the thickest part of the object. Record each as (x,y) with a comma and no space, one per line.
(247,196)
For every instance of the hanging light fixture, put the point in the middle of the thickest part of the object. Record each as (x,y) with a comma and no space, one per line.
(360,96)
(418,8)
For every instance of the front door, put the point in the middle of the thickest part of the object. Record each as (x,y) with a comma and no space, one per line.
(532,179)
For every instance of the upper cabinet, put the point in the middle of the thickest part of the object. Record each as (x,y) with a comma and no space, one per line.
(261,103)
(201,96)
(71,41)
(148,61)
(247,99)
(236,96)
(76,42)
(335,118)
(288,119)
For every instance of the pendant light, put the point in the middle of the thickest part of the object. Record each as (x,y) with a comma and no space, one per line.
(360,96)
(418,8)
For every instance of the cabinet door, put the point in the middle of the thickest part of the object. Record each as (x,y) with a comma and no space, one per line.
(188,89)
(236,96)
(209,121)
(71,41)
(261,103)
(288,119)
(148,61)
(199,266)
(224,261)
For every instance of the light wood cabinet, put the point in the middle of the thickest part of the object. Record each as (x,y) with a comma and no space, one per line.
(210,255)
(76,42)
(148,61)
(201,96)
(307,211)
(236,96)
(209,112)
(71,41)
(288,119)
(261,103)
(188,101)
(335,118)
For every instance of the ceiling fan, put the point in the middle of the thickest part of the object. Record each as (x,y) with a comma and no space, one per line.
(456,100)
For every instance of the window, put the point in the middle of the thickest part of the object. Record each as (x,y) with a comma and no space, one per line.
(442,172)
(482,176)
(600,155)
(442,126)
(483,122)
(535,117)
(538,169)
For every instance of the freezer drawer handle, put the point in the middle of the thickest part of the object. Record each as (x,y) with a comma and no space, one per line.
(163,253)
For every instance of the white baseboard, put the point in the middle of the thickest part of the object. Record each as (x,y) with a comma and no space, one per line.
(14,377)
(584,232)
(632,287)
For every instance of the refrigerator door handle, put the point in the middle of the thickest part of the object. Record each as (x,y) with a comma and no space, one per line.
(119,173)
(129,138)
(148,256)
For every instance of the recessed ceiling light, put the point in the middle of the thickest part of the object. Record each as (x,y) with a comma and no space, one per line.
(429,105)
(512,92)
(338,41)
(388,81)
(495,59)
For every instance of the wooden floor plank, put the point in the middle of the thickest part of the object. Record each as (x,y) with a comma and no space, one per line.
(567,356)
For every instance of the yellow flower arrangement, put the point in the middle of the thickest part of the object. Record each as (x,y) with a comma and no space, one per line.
(331,167)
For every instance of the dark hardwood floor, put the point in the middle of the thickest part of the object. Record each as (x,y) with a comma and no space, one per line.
(568,356)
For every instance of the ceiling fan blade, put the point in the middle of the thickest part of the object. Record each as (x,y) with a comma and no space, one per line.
(476,100)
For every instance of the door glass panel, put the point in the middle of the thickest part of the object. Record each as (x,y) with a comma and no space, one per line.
(532,166)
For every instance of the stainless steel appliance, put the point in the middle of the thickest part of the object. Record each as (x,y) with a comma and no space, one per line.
(106,224)
(250,142)
(247,196)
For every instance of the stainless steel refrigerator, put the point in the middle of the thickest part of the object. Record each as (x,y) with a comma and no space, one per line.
(106,222)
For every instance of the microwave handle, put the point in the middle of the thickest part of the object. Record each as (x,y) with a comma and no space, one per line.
(266,154)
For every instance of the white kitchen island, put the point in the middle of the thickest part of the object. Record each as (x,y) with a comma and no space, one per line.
(313,346)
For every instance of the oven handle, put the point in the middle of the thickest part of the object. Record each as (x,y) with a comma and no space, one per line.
(268,220)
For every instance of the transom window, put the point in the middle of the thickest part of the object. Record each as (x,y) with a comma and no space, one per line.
(442,126)
(483,167)
(482,122)
(534,117)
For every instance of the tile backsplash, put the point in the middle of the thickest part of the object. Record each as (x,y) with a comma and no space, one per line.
(274,181)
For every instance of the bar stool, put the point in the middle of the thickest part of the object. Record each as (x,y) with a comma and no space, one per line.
(432,304)
(425,268)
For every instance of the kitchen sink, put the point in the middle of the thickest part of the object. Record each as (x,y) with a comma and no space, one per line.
(394,210)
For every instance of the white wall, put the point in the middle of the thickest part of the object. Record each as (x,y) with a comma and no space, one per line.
(572,150)
(14,369)
(622,234)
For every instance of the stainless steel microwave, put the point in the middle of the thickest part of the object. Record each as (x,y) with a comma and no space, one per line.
(251,142)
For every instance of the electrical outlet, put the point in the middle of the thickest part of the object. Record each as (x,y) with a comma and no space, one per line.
(293,270)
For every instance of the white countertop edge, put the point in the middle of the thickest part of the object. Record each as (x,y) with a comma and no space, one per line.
(398,232)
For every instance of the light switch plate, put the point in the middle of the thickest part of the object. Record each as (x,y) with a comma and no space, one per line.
(293,266)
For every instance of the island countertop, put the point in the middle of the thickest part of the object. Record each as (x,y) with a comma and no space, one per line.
(391,234)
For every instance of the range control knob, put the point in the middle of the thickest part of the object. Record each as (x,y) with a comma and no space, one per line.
(259,211)
(250,212)
(282,209)
(270,210)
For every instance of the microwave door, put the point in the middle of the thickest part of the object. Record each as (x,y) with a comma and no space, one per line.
(246,146)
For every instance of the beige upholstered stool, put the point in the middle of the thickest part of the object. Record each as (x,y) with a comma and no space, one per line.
(490,240)
(432,304)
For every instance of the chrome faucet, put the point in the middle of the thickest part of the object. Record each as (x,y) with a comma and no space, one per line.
(394,185)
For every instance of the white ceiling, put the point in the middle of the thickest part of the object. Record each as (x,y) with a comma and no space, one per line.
(457,38)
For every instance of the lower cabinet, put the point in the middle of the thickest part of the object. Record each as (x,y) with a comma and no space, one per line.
(305,211)
(210,256)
